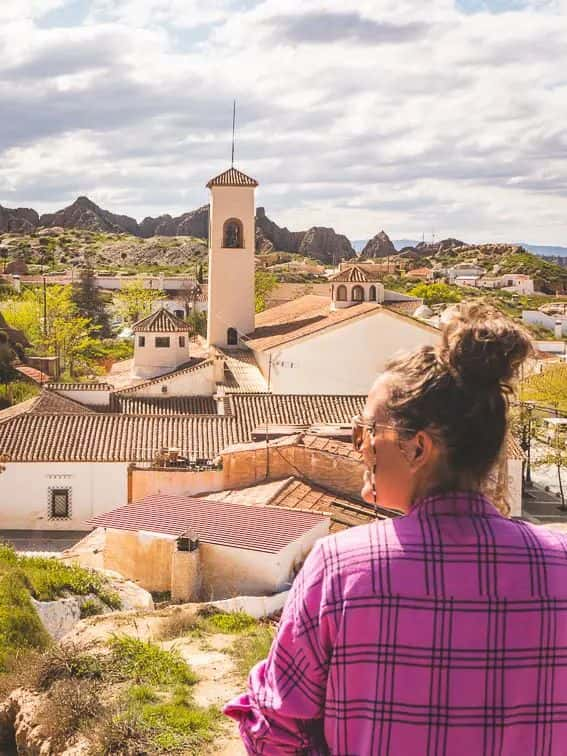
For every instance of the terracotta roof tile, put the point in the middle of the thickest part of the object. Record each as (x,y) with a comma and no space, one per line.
(255,528)
(242,374)
(79,386)
(50,403)
(160,321)
(232,177)
(303,317)
(356,274)
(174,405)
(33,374)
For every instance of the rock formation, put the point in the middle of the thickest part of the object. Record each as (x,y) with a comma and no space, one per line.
(379,246)
(281,239)
(325,245)
(21,220)
(83,213)
(194,223)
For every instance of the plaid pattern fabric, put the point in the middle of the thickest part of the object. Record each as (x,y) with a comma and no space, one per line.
(442,632)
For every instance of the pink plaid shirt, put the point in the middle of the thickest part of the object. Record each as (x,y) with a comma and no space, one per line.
(441,632)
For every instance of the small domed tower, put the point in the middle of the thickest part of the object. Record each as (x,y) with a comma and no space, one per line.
(353,285)
(232,243)
(161,344)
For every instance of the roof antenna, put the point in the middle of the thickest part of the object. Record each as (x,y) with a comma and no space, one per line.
(233,124)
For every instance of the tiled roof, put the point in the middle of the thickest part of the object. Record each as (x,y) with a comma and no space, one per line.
(232,177)
(356,274)
(51,403)
(21,408)
(114,437)
(191,366)
(160,321)
(78,386)
(254,528)
(344,512)
(254,410)
(173,405)
(32,374)
(242,374)
(337,448)
(405,306)
(105,437)
(513,448)
(303,317)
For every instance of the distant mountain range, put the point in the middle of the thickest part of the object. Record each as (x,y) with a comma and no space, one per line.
(537,249)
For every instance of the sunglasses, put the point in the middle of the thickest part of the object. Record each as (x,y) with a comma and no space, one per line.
(360,424)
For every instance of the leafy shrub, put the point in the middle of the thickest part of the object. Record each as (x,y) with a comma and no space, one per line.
(121,733)
(145,662)
(90,608)
(235,622)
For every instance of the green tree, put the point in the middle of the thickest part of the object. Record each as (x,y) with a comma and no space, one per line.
(200,276)
(198,322)
(7,357)
(134,302)
(264,284)
(549,387)
(90,302)
(436,293)
(555,453)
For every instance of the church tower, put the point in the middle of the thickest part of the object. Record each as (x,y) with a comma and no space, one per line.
(232,239)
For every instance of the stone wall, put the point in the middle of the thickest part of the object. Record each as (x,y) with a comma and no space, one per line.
(253,465)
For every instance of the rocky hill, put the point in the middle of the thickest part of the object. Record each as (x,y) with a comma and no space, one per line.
(379,246)
(19,220)
(62,248)
(320,243)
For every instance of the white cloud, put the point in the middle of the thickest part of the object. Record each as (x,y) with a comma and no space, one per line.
(354,120)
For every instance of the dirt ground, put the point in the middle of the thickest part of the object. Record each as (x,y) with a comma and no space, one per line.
(209,656)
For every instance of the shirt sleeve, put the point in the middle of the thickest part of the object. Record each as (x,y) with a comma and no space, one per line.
(282,711)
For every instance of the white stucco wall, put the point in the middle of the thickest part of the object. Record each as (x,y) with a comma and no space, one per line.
(198,382)
(343,360)
(231,271)
(227,571)
(93,398)
(24,492)
(535,317)
(514,491)
(151,361)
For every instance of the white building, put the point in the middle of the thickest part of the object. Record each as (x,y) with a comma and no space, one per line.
(466,270)
(518,283)
(556,323)
(161,344)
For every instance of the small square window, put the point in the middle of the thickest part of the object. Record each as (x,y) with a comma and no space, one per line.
(162,341)
(59,503)
(182,341)
(141,341)
(164,389)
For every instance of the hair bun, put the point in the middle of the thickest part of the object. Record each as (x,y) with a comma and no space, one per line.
(483,347)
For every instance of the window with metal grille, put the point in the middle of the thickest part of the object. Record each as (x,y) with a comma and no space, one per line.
(141,341)
(59,503)
(162,341)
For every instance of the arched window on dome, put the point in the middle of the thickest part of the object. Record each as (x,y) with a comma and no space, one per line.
(357,294)
(341,293)
(232,337)
(372,294)
(232,237)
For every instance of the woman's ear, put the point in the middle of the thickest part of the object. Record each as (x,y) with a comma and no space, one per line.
(422,450)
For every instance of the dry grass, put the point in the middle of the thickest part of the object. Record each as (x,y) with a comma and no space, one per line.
(71,705)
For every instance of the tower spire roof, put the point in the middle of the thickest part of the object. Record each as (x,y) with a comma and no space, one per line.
(232,177)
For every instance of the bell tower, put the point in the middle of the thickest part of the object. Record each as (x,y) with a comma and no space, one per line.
(232,240)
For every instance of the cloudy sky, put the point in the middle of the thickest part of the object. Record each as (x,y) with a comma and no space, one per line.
(445,117)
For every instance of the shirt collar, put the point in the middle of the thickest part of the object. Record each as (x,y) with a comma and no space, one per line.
(467,503)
